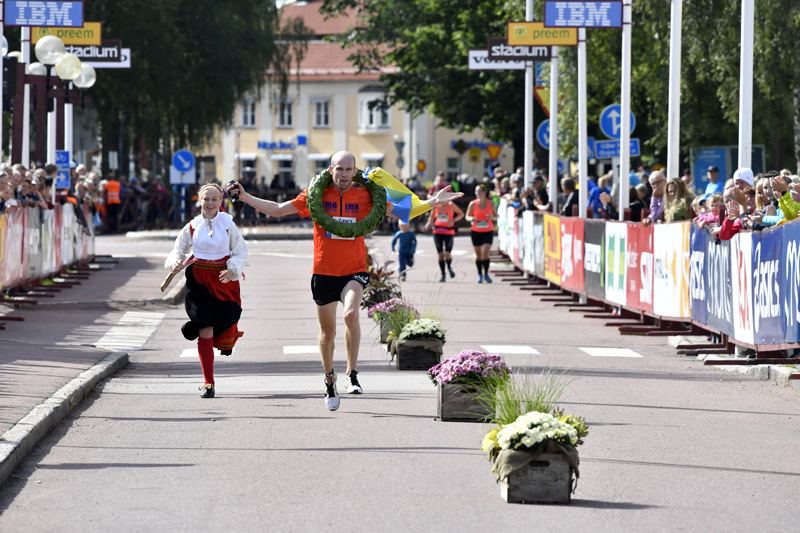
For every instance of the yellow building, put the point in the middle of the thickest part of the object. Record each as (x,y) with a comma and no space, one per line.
(328,111)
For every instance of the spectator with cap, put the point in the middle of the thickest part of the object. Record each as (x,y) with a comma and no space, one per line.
(714,185)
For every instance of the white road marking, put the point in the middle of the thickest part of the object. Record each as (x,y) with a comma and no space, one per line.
(610,352)
(371,381)
(133,331)
(300,349)
(509,349)
(192,353)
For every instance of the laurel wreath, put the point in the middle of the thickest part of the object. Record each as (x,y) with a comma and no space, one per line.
(367,225)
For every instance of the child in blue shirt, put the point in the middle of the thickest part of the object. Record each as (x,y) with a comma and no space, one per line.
(408,245)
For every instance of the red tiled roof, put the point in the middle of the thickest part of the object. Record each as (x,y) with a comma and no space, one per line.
(328,62)
(309,12)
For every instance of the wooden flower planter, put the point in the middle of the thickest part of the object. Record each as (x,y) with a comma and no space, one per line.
(458,403)
(419,354)
(547,479)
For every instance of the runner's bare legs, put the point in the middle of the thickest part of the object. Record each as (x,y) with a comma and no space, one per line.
(352,294)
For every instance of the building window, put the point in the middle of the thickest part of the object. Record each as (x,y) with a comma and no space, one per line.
(248,113)
(285,113)
(322,113)
(319,166)
(453,167)
(374,114)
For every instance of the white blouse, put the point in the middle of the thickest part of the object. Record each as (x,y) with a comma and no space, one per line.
(212,238)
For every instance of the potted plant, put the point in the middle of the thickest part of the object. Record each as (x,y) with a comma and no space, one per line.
(533,449)
(391,316)
(461,379)
(380,286)
(419,345)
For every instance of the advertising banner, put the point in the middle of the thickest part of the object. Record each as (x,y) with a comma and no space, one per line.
(513,239)
(742,269)
(790,281)
(671,270)
(502,224)
(572,253)
(538,244)
(719,289)
(15,253)
(615,247)
(552,249)
(697,273)
(593,242)
(646,267)
(48,235)
(526,242)
(767,322)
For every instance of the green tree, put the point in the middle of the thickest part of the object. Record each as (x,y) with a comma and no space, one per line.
(192,62)
(428,42)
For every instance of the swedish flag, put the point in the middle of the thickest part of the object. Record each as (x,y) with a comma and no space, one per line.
(406,204)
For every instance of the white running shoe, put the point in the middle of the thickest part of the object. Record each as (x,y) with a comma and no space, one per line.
(352,384)
(331,395)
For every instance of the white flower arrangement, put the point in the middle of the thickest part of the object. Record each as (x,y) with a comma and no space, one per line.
(423,328)
(532,429)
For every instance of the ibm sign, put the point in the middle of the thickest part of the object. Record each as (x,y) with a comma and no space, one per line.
(46,14)
(607,14)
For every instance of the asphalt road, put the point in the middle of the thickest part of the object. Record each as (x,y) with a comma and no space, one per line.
(673,445)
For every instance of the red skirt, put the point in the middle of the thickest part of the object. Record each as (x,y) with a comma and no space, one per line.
(211,303)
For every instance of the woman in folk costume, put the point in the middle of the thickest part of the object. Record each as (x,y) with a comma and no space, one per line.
(213,301)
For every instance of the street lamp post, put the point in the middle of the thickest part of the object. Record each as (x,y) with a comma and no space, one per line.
(68,67)
(48,51)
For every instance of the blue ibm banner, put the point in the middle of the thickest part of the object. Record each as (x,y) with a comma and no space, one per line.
(697,272)
(582,14)
(719,288)
(48,14)
(767,322)
(790,281)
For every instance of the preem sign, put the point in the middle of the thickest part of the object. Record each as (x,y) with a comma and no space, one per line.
(535,34)
(500,50)
(560,14)
(89,34)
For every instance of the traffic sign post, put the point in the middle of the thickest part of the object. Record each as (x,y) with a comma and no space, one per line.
(182,162)
(611,121)
(543,134)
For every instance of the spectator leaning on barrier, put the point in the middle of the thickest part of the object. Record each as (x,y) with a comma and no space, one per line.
(658,182)
(568,185)
(789,198)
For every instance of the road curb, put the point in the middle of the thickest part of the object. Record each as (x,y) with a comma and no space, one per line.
(779,374)
(17,442)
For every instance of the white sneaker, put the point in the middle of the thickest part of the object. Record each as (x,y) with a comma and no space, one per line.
(352,384)
(331,395)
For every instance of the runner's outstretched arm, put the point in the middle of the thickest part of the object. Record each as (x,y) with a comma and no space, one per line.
(268,207)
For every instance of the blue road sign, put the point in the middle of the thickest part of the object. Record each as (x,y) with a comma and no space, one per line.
(183,160)
(543,134)
(578,14)
(609,149)
(62,176)
(590,142)
(47,14)
(611,121)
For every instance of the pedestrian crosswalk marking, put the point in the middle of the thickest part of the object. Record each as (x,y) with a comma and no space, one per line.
(510,349)
(131,332)
(610,352)
(295,350)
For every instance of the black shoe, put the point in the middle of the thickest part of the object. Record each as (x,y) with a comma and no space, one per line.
(208,391)
(226,352)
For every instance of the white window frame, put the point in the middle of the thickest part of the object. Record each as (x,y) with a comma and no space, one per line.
(284,113)
(322,114)
(375,119)
(248,113)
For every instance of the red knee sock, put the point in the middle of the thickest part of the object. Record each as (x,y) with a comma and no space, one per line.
(205,348)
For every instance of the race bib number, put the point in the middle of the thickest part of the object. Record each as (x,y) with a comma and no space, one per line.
(345,220)
(481,224)
(443,217)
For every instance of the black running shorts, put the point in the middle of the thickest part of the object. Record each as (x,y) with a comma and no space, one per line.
(327,289)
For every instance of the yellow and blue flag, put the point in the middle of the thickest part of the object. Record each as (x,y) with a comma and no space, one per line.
(406,204)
